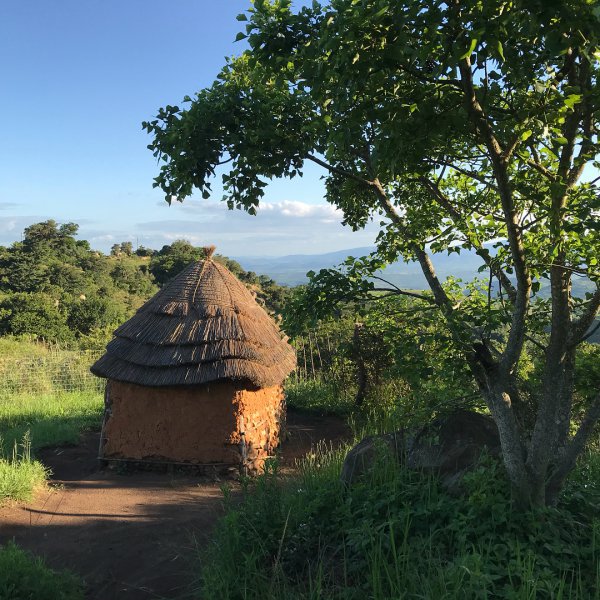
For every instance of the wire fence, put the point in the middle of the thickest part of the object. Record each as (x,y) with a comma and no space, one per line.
(55,371)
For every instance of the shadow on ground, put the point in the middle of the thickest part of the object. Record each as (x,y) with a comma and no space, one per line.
(133,535)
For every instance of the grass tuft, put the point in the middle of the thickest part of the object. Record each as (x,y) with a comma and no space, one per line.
(20,475)
(25,577)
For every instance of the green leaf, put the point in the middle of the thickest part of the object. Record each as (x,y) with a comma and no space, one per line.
(240,36)
(526,135)
(572,99)
(242,17)
(470,50)
(500,49)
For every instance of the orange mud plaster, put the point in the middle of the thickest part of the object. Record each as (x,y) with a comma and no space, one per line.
(198,425)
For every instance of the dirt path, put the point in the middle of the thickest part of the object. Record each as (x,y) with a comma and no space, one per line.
(132,535)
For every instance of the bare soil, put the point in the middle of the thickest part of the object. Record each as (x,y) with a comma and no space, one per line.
(133,535)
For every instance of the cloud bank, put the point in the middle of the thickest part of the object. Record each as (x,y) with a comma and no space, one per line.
(279,228)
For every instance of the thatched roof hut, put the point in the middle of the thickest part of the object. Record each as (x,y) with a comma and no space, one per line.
(202,345)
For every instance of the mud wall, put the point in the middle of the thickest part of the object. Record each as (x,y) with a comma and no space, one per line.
(260,415)
(196,424)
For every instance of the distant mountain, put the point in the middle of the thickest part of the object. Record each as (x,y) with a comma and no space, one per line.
(292,269)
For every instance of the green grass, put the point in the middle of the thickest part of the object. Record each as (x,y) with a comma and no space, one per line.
(315,395)
(30,422)
(24,577)
(399,534)
(19,473)
(50,418)
(47,397)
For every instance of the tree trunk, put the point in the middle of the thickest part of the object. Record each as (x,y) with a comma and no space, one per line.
(513,451)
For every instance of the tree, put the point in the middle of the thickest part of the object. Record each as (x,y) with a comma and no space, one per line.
(33,314)
(456,125)
(173,258)
(127,248)
(44,279)
(143,251)
(48,235)
(89,314)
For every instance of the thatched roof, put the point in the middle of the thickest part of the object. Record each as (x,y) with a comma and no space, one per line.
(203,326)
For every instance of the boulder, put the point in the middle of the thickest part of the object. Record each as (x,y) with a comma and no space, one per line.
(361,458)
(449,445)
(454,442)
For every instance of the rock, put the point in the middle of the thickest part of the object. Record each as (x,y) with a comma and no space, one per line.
(454,442)
(449,445)
(361,458)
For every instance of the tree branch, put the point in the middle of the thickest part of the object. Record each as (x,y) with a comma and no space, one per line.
(401,291)
(575,447)
(466,172)
(338,171)
(427,267)
(580,327)
(538,167)
(516,336)
(424,79)
(591,332)
(459,221)
(587,124)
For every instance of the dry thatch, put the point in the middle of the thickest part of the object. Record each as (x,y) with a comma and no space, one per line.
(204,326)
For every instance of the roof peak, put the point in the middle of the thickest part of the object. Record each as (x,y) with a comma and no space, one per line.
(209,251)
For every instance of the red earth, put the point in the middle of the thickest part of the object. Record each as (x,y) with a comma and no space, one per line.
(134,534)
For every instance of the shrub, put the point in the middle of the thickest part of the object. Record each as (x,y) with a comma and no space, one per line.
(399,534)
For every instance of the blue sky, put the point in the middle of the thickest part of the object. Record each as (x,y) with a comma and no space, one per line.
(79,77)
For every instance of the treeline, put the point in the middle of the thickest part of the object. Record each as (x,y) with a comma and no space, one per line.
(55,287)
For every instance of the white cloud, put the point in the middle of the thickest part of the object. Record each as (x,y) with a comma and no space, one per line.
(302,210)
(278,228)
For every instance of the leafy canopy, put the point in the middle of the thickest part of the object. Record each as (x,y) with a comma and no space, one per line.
(372,89)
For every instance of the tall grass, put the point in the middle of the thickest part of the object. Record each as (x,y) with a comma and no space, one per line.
(28,367)
(319,395)
(400,534)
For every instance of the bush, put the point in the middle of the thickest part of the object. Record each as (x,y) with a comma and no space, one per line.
(401,535)
(25,577)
